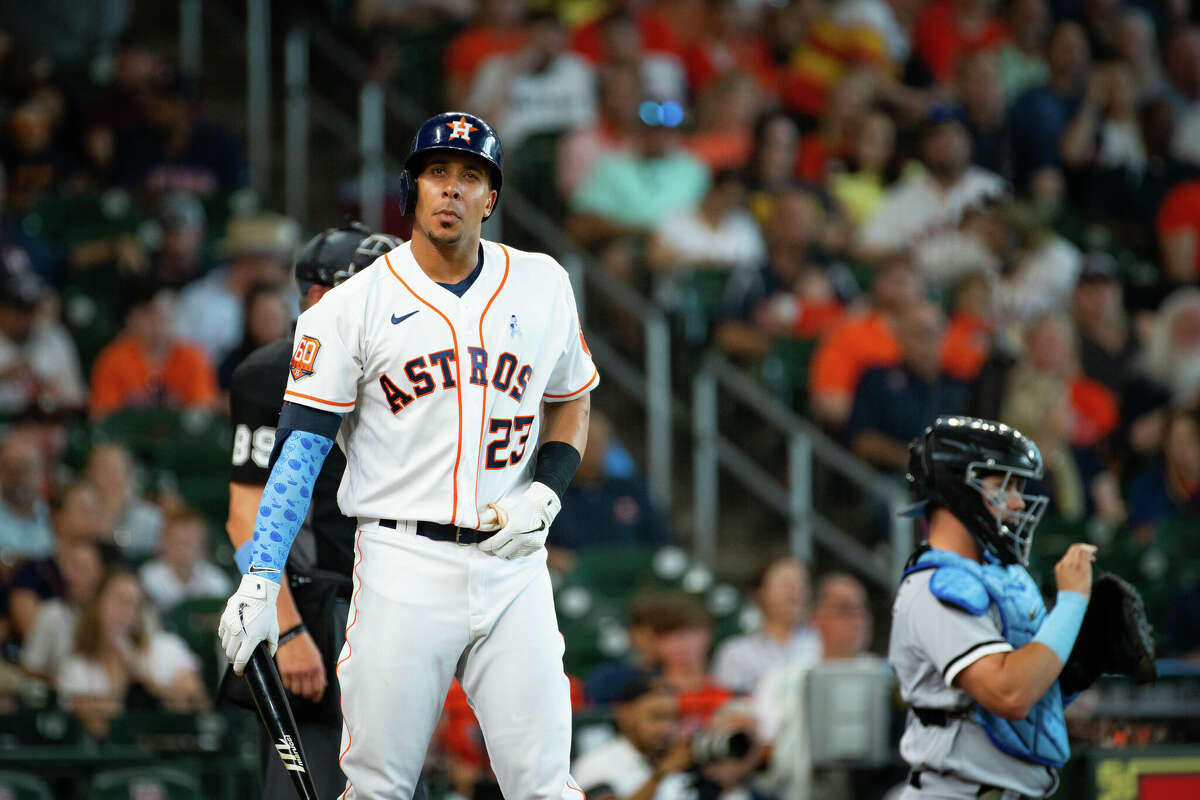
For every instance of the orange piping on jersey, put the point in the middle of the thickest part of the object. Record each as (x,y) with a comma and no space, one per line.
(595,372)
(483,414)
(349,652)
(318,399)
(576,788)
(457,384)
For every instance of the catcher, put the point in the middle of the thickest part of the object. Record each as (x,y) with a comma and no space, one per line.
(985,668)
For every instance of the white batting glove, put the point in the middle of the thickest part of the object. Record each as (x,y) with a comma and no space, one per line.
(524,522)
(249,618)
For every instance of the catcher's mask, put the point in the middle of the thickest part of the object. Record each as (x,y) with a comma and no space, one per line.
(948,466)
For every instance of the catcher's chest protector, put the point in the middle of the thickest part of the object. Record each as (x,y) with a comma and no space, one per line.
(1042,736)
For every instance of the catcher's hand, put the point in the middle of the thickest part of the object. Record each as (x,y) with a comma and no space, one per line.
(524,522)
(1115,638)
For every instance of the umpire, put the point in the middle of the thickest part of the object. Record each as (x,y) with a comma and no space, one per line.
(314,598)
(976,654)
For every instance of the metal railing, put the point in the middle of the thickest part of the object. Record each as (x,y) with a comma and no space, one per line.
(791,497)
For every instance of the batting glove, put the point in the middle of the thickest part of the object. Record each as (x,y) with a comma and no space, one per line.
(524,522)
(249,618)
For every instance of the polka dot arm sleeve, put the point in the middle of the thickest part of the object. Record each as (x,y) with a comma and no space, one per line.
(285,501)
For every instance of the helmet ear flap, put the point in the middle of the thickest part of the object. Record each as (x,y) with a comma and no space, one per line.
(408,192)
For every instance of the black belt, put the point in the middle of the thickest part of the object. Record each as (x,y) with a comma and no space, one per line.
(940,717)
(440,532)
(985,792)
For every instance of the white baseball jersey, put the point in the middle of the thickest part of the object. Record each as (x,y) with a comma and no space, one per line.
(441,394)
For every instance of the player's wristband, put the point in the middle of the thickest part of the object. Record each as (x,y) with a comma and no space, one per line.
(1061,625)
(242,555)
(292,633)
(556,465)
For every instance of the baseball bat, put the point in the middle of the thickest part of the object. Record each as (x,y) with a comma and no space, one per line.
(266,688)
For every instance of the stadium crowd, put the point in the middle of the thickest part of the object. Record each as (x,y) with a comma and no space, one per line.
(888,209)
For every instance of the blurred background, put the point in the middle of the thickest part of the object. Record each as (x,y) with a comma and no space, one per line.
(798,230)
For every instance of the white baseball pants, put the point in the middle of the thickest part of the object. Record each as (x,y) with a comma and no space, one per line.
(425,611)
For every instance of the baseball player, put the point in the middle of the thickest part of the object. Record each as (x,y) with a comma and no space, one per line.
(431,367)
(976,654)
(315,590)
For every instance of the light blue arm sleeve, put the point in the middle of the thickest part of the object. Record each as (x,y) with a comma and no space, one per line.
(285,501)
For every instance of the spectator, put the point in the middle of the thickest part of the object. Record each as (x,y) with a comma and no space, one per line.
(725,117)
(631,193)
(781,592)
(1171,356)
(1178,224)
(1137,46)
(1170,488)
(1023,57)
(871,168)
(968,341)
(1041,266)
(637,39)
(863,339)
(177,149)
(921,208)
(1040,114)
(260,249)
(267,318)
(774,157)
(497,29)
(833,142)
(648,758)
(1040,405)
(613,132)
(729,42)
(793,294)
(606,511)
(39,365)
(658,34)
(119,662)
(181,571)
(1104,133)
(889,19)
(682,640)
(605,682)
(180,257)
(135,524)
(34,162)
(946,29)
(24,516)
(53,633)
(148,366)
(718,234)
(893,405)
(983,108)
(540,88)
(842,618)
(74,516)
(1107,346)
(1183,69)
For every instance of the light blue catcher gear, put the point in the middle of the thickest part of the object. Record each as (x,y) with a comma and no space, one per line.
(973,587)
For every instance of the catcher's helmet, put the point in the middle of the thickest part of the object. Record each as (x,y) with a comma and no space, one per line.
(367,252)
(947,465)
(456,131)
(329,253)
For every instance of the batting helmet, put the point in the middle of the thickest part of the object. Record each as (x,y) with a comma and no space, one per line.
(453,131)
(947,465)
(328,253)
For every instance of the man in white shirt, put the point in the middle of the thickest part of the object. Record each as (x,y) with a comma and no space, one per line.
(924,208)
(782,595)
(646,760)
(541,88)
(180,572)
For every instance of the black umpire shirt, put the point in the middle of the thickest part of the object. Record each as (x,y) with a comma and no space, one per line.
(256,397)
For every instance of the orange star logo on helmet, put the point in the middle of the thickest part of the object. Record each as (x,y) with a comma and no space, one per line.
(462,129)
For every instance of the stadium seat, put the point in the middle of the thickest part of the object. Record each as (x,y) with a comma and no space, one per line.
(785,370)
(20,786)
(614,573)
(136,783)
(50,726)
(196,622)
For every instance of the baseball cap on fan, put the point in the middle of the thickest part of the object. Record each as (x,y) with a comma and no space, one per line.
(262,234)
(181,210)
(1098,267)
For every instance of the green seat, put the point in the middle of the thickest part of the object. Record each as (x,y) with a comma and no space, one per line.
(138,782)
(19,786)
(196,621)
(701,293)
(50,726)
(530,168)
(614,573)
(785,369)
